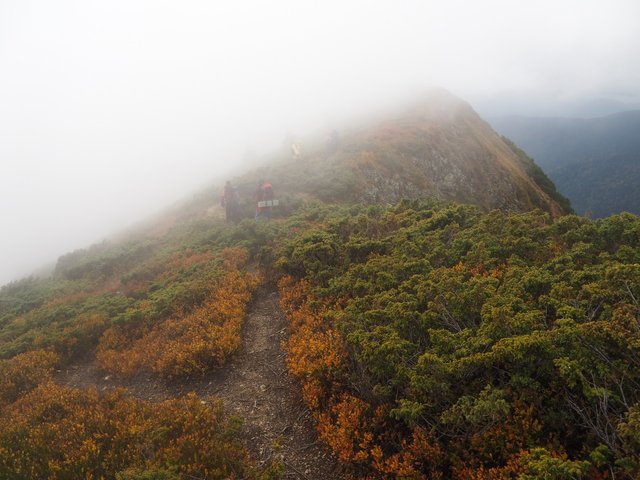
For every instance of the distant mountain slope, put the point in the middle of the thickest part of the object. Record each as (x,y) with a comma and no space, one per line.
(602,187)
(532,104)
(595,162)
(439,148)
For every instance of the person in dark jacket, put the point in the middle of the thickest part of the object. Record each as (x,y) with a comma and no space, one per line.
(230,199)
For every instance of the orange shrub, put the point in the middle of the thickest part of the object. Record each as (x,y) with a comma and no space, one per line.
(61,433)
(187,345)
(193,342)
(207,336)
(118,353)
(419,458)
(345,429)
(23,372)
(353,429)
(315,351)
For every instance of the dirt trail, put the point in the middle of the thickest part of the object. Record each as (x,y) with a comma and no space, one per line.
(255,385)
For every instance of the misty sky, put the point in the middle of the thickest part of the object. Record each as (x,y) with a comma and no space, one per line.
(111,110)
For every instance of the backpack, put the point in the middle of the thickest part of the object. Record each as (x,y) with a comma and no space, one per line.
(267,192)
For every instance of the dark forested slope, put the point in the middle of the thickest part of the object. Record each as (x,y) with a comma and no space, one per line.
(594,162)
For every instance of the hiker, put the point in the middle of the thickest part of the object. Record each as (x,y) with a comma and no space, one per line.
(230,202)
(332,143)
(264,200)
(295,151)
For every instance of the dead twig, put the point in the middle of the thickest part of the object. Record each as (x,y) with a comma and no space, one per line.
(296,470)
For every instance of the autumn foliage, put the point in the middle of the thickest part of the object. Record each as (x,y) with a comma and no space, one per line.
(433,341)
(24,372)
(173,305)
(60,433)
(52,432)
(317,357)
(316,353)
(189,343)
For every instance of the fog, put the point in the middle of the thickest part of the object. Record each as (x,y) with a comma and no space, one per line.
(112,110)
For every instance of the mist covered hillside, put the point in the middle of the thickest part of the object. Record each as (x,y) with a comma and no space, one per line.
(438,148)
(594,162)
(419,306)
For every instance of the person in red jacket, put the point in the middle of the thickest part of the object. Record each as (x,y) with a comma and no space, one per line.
(264,200)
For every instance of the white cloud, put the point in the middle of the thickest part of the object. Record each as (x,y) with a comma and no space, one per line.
(112,109)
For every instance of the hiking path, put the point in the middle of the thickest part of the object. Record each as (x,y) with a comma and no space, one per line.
(254,384)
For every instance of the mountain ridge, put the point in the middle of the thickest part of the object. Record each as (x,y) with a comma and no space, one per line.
(436,148)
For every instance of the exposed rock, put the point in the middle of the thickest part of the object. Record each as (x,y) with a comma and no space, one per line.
(439,148)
